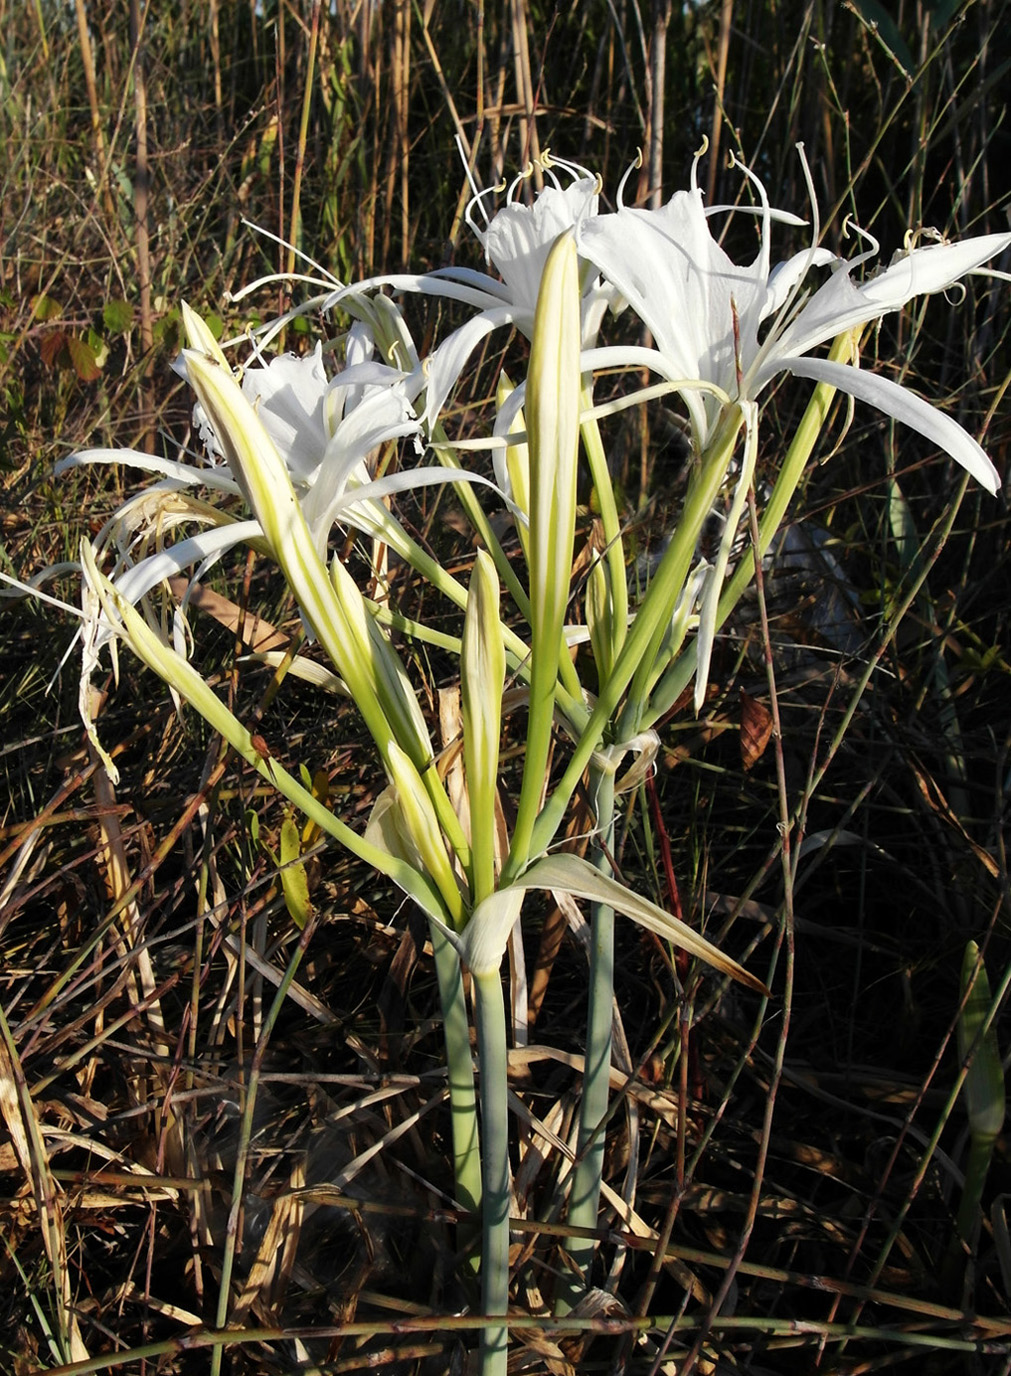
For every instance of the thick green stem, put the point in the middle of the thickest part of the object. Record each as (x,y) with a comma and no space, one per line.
(462,1093)
(497,1192)
(584,1199)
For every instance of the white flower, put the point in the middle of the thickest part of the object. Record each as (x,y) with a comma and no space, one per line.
(516,241)
(733,327)
(519,238)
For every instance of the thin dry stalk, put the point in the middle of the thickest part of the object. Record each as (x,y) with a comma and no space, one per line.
(141,188)
(722,52)
(529,141)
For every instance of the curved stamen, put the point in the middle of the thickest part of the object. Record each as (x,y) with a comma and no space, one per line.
(632,167)
(699,155)
(851,224)
(765,256)
(476,200)
(517,181)
(575,171)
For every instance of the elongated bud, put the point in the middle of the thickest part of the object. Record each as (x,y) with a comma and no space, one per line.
(482,675)
(423,828)
(552,410)
(600,616)
(517,464)
(200,339)
(381,667)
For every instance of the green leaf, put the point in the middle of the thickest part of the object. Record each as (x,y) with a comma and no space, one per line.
(487,933)
(985,1100)
(117,316)
(46,308)
(83,359)
(294,881)
(98,346)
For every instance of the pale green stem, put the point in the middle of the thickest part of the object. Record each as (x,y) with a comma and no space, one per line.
(497,1191)
(462,1093)
(807,434)
(584,1198)
(669,580)
(475,512)
(615,555)
(468,498)
(649,624)
(569,699)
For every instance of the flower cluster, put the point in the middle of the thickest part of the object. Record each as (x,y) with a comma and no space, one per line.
(721,333)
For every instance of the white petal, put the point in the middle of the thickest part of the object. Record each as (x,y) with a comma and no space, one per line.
(520,237)
(931,268)
(840,305)
(444,366)
(904,406)
(208,544)
(189,475)
(785,276)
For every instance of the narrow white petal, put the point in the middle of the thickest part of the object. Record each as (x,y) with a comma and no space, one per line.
(445,365)
(189,475)
(208,544)
(904,406)
(932,268)
(841,305)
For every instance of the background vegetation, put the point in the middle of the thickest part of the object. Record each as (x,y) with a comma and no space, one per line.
(142,931)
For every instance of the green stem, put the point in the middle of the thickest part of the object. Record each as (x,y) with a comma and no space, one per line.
(649,625)
(584,1199)
(497,1192)
(462,1093)
(812,423)
(568,699)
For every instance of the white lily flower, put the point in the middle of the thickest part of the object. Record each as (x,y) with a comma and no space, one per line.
(519,238)
(707,313)
(516,241)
